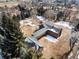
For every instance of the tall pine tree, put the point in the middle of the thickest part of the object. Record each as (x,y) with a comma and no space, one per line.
(13,35)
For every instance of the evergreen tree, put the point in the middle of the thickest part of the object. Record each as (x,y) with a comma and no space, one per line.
(13,41)
(12,33)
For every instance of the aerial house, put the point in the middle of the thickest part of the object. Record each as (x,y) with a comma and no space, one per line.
(48,31)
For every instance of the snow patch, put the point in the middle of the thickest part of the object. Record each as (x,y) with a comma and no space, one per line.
(40,18)
(51,39)
(53,30)
(64,24)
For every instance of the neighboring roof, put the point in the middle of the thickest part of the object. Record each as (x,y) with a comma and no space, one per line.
(48,24)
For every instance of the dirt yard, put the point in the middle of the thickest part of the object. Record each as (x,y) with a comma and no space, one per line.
(56,49)
(9,4)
